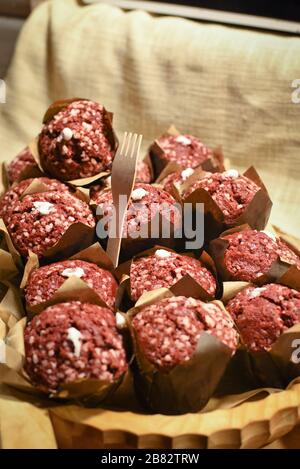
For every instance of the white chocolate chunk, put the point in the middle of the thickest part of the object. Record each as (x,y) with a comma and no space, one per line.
(67,134)
(74,335)
(256,292)
(162,253)
(138,194)
(120,320)
(269,234)
(186,173)
(183,139)
(73,272)
(232,173)
(44,208)
(86,125)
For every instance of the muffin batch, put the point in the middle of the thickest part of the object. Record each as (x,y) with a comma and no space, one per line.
(169,326)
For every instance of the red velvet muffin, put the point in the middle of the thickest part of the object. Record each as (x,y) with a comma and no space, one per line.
(38,221)
(231,192)
(178,177)
(146,203)
(73,341)
(168,331)
(165,268)
(185,150)
(14,194)
(250,254)
(77,142)
(23,162)
(143,172)
(263,314)
(45,281)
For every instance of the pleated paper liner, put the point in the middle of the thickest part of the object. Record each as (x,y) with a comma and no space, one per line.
(10,260)
(3,179)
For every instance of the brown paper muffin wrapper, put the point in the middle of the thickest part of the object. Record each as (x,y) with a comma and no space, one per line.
(77,236)
(10,300)
(73,288)
(160,162)
(148,161)
(171,167)
(53,109)
(10,260)
(38,187)
(30,171)
(256,214)
(3,179)
(291,278)
(89,392)
(188,386)
(275,368)
(186,283)
(281,271)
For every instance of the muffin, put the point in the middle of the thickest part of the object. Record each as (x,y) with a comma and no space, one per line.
(21,165)
(143,172)
(184,149)
(14,194)
(164,269)
(231,192)
(71,342)
(249,255)
(38,221)
(45,281)
(141,228)
(178,177)
(179,342)
(77,142)
(263,314)
(168,331)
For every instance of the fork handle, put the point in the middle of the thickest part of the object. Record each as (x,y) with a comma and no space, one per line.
(113,249)
(114,243)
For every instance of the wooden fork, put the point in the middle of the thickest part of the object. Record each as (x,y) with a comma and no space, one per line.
(122,183)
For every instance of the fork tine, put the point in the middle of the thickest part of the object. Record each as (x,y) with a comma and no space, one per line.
(121,149)
(138,145)
(133,143)
(129,137)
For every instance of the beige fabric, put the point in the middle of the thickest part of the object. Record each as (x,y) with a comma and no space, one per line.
(228,86)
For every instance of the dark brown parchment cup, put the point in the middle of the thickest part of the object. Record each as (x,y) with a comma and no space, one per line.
(188,386)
